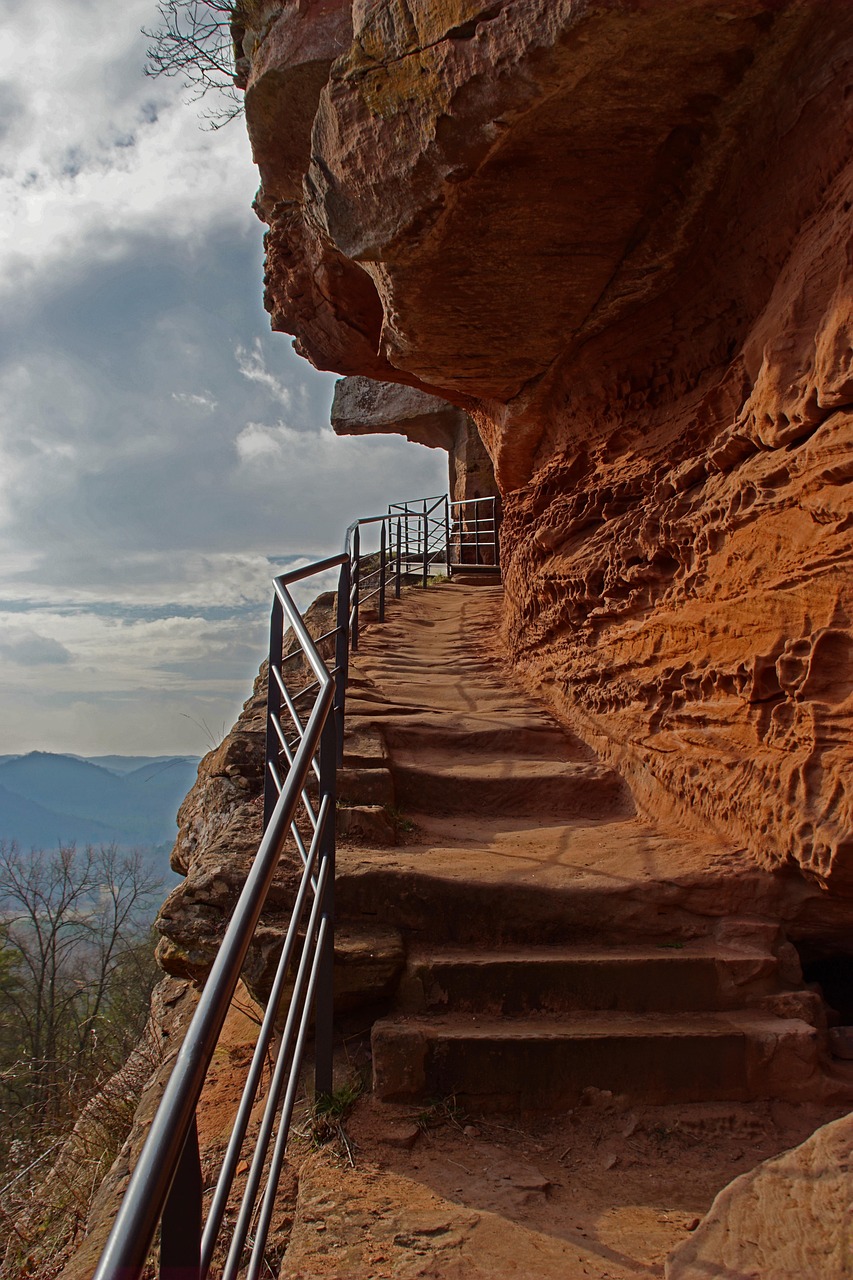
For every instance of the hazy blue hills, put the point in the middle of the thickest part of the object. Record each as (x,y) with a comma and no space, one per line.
(46,799)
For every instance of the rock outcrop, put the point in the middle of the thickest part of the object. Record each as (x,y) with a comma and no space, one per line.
(617,235)
(788,1218)
(364,407)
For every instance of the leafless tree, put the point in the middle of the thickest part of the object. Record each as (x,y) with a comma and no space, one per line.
(75,974)
(195,41)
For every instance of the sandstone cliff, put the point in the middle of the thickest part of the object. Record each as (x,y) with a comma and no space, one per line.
(616,234)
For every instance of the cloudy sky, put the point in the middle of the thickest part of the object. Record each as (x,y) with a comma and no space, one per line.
(161,451)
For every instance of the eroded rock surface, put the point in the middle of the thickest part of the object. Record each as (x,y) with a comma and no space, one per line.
(618,236)
(788,1218)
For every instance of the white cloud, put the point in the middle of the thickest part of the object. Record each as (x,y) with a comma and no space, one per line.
(252,365)
(26,648)
(198,401)
(93,152)
(157,443)
(258,443)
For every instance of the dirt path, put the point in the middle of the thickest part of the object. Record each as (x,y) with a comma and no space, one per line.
(517,830)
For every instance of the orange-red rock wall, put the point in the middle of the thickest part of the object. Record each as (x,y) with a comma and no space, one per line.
(617,234)
(679,567)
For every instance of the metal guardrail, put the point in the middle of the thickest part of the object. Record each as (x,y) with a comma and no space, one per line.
(304,745)
(450,535)
(426,532)
(166,1182)
(473,533)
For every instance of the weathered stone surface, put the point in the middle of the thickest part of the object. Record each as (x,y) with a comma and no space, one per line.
(219,830)
(219,827)
(788,1218)
(290,67)
(368,960)
(619,237)
(369,824)
(364,407)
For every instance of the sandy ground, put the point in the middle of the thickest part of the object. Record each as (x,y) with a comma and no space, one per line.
(605,1191)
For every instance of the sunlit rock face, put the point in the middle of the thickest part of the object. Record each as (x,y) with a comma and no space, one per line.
(618,235)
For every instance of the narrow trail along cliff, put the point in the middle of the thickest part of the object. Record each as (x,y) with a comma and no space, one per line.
(583,1018)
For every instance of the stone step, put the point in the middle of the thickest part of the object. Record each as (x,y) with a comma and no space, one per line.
(698,975)
(359,786)
(465,896)
(544,1063)
(470,736)
(434,781)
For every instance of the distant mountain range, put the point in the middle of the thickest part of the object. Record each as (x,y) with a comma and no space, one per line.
(48,799)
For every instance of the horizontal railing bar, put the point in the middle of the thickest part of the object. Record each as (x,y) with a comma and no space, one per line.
(308,688)
(309,570)
(268,1203)
(299,652)
(288,753)
(410,502)
(277,783)
(327,635)
(287,747)
(262,1141)
(356,524)
(299,842)
(309,810)
(294,714)
(279,678)
(143,1201)
(298,626)
(253,1079)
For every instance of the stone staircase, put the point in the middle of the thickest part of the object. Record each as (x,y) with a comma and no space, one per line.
(550,941)
(532,1027)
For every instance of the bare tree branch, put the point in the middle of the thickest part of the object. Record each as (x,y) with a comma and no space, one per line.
(195,41)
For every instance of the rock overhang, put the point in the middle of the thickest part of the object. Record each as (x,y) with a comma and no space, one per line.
(496,183)
(617,235)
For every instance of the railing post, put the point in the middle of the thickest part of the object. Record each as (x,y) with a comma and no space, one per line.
(382,563)
(342,654)
(476,534)
(356,578)
(180,1225)
(447,534)
(324,1000)
(496,522)
(426,551)
(273,706)
(398,577)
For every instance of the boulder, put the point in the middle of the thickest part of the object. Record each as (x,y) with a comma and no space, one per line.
(787,1219)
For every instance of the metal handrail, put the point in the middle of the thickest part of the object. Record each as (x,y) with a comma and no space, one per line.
(166,1180)
(475,537)
(166,1184)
